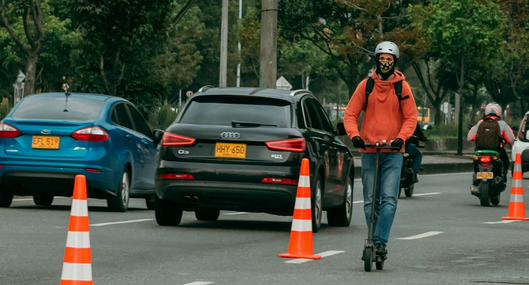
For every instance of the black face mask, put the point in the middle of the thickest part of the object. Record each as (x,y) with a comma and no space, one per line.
(385,69)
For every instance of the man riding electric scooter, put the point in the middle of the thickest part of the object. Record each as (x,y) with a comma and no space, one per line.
(390,119)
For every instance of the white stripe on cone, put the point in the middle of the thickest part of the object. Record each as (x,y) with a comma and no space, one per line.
(76,271)
(516,198)
(301,225)
(78,239)
(79,208)
(302,204)
(304,181)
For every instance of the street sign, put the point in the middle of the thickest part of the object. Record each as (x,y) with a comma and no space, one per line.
(282,83)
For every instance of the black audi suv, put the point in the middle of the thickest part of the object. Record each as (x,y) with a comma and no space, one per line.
(240,149)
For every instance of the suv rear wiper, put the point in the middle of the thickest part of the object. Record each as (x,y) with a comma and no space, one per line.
(239,124)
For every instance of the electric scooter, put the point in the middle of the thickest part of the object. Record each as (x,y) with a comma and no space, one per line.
(369,254)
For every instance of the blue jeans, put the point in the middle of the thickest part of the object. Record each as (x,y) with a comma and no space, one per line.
(389,184)
(414,152)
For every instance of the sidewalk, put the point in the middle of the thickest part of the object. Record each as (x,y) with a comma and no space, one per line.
(436,163)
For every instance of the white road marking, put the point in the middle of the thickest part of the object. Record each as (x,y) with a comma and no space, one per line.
(425,235)
(322,254)
(121,222)
(199,283)
(235,213)
(31,199)
(427,194)
(358,202)
(500,222)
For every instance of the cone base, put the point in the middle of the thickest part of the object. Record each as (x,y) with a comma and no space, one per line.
(292,255)
(514,219)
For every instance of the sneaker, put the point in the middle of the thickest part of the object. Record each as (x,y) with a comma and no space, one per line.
(381,251)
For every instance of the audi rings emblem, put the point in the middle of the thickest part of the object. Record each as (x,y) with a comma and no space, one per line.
(230,135)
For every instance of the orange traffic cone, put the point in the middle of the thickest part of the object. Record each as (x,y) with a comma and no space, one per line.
(77,266)
(301,239)
(516,205)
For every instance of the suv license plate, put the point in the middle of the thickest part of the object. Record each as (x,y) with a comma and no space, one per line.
(485,175)
(230,150)
(45,142)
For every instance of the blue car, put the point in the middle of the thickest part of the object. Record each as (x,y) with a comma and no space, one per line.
(49,138)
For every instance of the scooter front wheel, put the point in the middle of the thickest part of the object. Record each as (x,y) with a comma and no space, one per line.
(367,256)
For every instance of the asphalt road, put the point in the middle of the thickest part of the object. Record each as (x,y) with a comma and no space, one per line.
(440,236)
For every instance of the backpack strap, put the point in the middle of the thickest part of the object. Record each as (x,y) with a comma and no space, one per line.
(370,85)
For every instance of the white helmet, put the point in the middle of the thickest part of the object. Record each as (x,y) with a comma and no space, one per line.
(493,109)
(387,47)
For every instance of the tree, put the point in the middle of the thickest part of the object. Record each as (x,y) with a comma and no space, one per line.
(30,41)
(463,33)
(120,37)
(348,31)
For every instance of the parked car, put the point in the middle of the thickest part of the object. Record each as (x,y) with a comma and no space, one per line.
(241,149)
(521,144)
(49,138)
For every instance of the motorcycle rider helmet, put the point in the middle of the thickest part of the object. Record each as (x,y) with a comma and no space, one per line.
(387,47)
(493,109)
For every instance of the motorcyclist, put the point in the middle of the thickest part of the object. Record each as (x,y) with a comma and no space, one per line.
(493,113)
(412,148)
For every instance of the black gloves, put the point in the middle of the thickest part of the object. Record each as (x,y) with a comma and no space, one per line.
(359,142)
(397,143)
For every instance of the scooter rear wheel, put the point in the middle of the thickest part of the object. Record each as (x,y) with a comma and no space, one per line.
(367,256)
(409,191)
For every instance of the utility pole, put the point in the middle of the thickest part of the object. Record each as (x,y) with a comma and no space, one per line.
(268,55)
(223,73)
(239,48)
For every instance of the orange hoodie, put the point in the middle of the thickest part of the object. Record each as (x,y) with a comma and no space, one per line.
(385,118)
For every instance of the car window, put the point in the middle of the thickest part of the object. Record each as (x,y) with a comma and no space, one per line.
(223,110)
(322,115)
(306,114)
(63,108)
(120,116)
(315,121)
(139,122)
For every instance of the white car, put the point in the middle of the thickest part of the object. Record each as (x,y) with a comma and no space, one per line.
(521,144)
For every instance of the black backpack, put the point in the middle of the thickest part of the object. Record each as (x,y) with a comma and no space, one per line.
(488,135)
(370,85)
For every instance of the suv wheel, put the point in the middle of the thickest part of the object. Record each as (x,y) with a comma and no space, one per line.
(43,199)
(207,214)
(5,199)
(167,213)
(317,205)
(341,216)
(120,203)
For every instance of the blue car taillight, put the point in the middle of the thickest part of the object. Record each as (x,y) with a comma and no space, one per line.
(92,134)
(8,131)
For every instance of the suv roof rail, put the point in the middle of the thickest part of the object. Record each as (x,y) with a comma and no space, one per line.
(204,88)
(299,91)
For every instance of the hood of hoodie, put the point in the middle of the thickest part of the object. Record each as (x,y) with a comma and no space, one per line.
(385,88)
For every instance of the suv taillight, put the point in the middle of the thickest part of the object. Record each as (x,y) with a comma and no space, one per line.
(176,140)
(8,132)
(92,134)
(293,145)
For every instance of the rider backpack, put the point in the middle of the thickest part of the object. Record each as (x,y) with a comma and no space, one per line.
(488,135)
(370,85)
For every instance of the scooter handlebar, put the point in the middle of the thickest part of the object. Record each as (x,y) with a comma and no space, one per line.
(384,145)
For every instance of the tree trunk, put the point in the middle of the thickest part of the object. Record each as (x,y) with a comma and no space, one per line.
(31,72)
(460,115)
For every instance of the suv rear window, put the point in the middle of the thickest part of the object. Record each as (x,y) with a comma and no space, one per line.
(56,108)
(223,110)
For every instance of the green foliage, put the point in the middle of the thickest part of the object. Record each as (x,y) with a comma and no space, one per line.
(162,115)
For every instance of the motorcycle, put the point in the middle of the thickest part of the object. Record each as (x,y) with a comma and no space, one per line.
(407,176)
(488,178)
